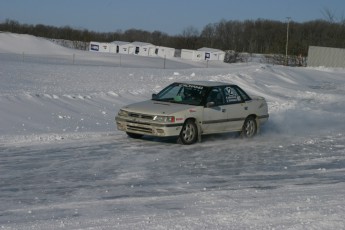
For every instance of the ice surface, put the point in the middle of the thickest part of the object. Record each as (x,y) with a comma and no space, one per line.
(63,164)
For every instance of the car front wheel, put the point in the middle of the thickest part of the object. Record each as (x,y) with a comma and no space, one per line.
(249,128)
(189,133)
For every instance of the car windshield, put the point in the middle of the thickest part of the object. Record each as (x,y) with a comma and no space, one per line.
(182,93)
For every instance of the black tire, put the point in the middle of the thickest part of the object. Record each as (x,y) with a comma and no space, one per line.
(189,133)
(135,135)
(249,128)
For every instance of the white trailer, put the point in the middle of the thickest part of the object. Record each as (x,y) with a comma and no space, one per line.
(143,48)
(122,47)
(187,54)
(212,54)
(99,47)
(165,52)
(194,55)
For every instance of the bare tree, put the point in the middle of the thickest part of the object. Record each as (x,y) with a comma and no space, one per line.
(208,35)
(190,38)
(329,15)
(190,31)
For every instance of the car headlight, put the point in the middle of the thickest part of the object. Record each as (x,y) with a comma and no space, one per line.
(123,113)
(170,119)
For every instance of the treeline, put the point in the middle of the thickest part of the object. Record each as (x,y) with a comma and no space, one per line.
(252,36)
(269,37)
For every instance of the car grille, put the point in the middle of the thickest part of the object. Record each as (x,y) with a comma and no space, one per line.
(142,116)
(138,128)
(140,125)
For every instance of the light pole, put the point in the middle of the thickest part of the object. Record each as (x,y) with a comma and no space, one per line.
(287,41)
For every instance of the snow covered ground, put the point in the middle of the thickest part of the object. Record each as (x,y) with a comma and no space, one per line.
(63,164)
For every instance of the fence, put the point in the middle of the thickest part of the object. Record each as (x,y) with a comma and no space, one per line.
(91,59)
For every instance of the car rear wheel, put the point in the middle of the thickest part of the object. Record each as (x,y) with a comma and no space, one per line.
(189,133)
(249,128)
(134,135)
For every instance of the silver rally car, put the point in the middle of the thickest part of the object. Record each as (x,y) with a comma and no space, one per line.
(188,110)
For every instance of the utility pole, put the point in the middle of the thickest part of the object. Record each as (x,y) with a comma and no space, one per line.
(287,41)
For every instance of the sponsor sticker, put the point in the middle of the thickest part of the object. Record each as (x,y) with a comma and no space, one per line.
(192,86)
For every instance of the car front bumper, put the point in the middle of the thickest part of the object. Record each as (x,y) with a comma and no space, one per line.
(145,127)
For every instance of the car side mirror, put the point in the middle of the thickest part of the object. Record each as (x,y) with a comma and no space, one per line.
(154,96)
(210,104)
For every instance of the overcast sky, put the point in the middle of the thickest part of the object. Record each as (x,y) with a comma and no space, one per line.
(169,16)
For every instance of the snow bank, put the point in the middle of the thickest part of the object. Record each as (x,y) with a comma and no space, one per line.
(19,43)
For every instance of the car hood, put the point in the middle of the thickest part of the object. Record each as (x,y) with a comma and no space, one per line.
(156,107)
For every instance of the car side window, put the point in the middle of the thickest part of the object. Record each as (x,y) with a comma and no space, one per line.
(231,95)
(216,96)
(243,94)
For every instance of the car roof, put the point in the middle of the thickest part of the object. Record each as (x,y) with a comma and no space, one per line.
(206,83)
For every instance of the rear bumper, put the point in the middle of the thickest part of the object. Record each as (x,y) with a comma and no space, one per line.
(144,127)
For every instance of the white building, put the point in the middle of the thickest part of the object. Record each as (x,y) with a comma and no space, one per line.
(138,48)
(203,54)
(212,54)
(99,47)
(326,56)
(165,52)
(122,47)
(194,55)
(143,48)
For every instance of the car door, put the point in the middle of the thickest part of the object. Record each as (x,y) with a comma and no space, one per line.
(236,107)
(215,117)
